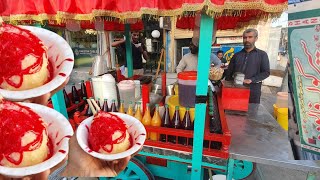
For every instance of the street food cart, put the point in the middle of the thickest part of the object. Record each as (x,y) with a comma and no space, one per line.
(255,137)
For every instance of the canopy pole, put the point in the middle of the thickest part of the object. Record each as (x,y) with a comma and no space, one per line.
(205,41)
(129,50)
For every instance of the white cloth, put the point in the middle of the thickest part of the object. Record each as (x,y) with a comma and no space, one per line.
(211,85)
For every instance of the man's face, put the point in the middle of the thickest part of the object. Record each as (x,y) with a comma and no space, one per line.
(135,37)
(193,48)
(249,40)
(220,55)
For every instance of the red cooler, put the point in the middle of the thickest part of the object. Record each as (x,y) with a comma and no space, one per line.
(235,97)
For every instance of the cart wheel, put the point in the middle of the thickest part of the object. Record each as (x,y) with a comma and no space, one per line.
(242,169)
(135,170)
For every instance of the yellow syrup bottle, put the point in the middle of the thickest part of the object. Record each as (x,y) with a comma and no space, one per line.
(130,110)
(121,108)
(156,122)
(138,114)
(146,120)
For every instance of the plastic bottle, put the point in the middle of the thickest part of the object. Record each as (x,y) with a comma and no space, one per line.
(138,114)
(186,125)
(130,110)
(66,98)
(75,95)
(105,107)
(166,122)
(176,122)
(98,102)
(83,89)
(156,122)
(113,106)
(89,111)
(146,120)
(121,108)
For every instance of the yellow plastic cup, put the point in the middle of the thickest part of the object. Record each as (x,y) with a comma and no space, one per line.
(275,108)
(282,117)
(173,101)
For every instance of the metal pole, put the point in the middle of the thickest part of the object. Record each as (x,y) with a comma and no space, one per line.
(128,50)
(206,29)
(59,104)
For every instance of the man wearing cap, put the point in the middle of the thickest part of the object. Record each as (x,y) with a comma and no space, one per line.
(189,62)
(252,62)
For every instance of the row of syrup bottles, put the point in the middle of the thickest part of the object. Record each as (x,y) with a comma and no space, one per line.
(165,121)
(176,123)
(85,91)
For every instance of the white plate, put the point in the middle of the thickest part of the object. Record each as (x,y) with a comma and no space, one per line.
(135,129)
(58,51)
(58,129)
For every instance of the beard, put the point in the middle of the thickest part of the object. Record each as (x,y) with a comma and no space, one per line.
(194,50)
(248,45)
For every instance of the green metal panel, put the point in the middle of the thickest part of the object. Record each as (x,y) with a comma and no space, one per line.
(205,41)
(59,104)
(175,158)
(311,176)
(128,50)
(302,15)
(230,169)
(302,95)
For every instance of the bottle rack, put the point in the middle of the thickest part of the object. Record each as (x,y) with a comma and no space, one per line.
(209,138)
(70,110)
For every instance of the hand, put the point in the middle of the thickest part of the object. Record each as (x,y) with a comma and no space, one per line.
(41,176)
(81,164)
(247,81)
(45,98)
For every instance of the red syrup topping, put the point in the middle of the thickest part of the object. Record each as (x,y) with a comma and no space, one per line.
(62,151)
(15,122)
(142,134)
(62,74)
(68,136)
(68,59)
(50,147)
(16,44)
(103,126)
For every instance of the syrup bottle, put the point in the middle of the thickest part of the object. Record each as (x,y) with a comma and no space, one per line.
(156,122)
(113,106)
(121,108)
(176,122)
(138,114)
(75,95)
(166,122)
(146,120)
(130,110)
(105,107)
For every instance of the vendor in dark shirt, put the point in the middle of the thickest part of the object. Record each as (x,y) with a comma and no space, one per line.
(252,62)
(138,50)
